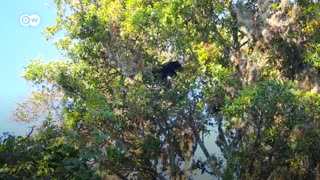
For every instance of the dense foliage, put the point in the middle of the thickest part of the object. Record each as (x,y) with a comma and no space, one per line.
(249,75)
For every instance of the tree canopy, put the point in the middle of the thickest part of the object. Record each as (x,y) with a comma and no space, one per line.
(249,75)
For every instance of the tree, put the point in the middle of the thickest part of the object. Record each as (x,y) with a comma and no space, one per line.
(249,71)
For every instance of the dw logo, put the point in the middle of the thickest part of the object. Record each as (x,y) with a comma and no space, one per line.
(32,20)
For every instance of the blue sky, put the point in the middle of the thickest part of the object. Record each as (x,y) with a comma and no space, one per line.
(18,45)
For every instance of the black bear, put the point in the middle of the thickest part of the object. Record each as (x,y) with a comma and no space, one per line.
(170,69)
